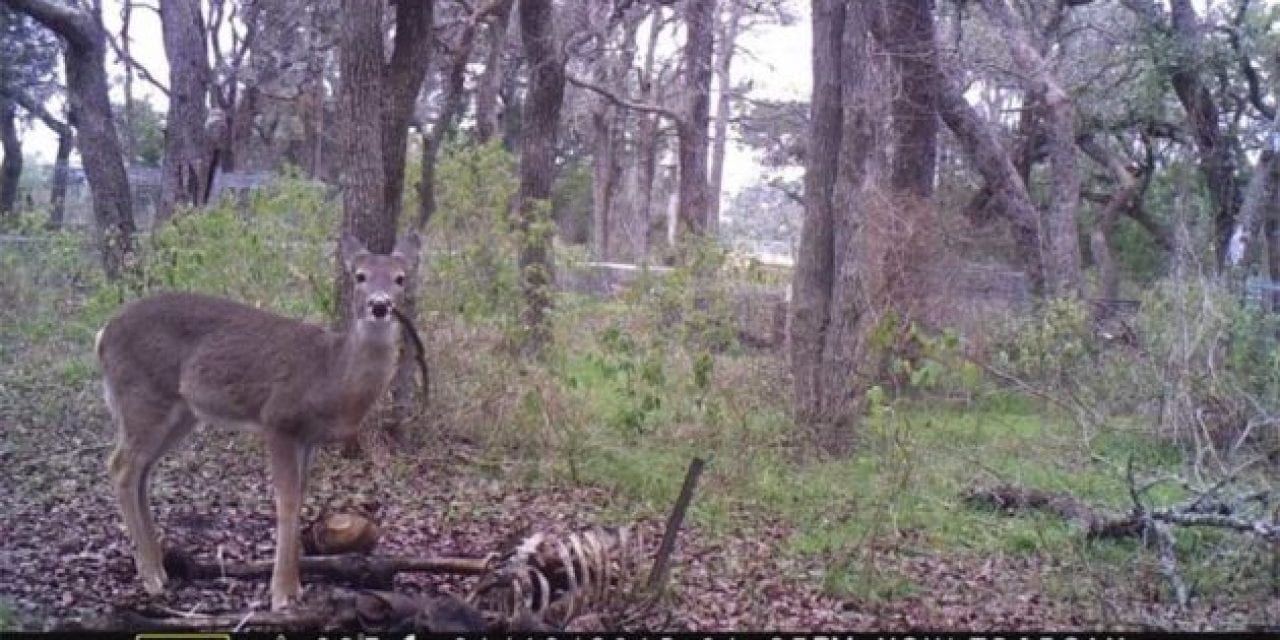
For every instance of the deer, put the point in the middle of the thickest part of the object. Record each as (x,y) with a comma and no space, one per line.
(173,361)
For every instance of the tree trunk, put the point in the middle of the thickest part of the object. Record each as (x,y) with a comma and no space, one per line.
(1257,197)
(1214,149)
(724,102)
(815,263)
(646,153)
(402,79)
(187,151)
(487,122)
(1063,240)
(692,127)
(540,121)
(128,141)
(454,80)
(84,55)
(58,188)
(11,167)
(982,146)
(915,113)
(363,180)
(1100,235)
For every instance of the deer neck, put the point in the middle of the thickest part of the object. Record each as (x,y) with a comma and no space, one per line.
(366,362)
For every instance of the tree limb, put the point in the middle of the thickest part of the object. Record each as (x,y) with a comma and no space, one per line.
(38,110)
(624,102)
(137,66)
(72,24)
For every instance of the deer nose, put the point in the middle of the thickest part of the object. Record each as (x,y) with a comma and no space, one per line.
(380,306)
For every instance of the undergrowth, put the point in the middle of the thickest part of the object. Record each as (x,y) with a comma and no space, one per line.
(635,386)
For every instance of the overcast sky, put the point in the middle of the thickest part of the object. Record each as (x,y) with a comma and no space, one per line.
(775,59)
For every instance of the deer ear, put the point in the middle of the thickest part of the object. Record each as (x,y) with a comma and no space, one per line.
(408,247)
(351,250)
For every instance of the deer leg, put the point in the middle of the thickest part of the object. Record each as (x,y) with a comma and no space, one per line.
(144,430)
(180,424)
(287,461)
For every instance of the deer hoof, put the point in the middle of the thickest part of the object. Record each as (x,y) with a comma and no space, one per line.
(153,584)
(282,598)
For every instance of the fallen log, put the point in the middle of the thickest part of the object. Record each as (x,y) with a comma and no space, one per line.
(357,570)
(1096,524)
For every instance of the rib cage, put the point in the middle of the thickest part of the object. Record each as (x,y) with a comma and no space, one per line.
(559,578)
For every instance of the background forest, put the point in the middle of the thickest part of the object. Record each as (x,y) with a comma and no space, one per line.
(980,331)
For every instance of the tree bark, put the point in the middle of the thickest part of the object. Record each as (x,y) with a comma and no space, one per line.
(1213,147)
(915,114)
(1257,197)
(402,79)
(642,218)
(1063,239)
(815,264)
(58,187)
(724,108)
(692,127)
(128,140)
(1126,191)
(11,167)
(454,79)
(363,181)
(981,145)
(487,122)
(540,122)
(187,151)
(84,56)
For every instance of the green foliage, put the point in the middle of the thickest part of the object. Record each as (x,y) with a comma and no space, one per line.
(571,201)
(275,254)
(1051,344)
(148,131)
(471,263)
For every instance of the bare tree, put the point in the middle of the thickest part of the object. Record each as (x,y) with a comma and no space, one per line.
(85,59)
(540,122)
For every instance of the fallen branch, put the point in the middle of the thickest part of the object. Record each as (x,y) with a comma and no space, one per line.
(1012,499)
(662,562)
(366,571)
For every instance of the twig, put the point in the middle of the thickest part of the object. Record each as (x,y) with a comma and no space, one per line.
(662,563)
(420,352)
(1169,562)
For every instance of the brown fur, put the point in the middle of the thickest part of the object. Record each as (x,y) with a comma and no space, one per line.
(173,360)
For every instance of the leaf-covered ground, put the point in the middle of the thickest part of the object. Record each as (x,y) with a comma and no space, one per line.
(65,556)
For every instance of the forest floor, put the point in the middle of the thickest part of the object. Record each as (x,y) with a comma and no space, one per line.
(65,557)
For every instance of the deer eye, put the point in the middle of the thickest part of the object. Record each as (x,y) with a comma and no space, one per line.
(399,280)
(360,277)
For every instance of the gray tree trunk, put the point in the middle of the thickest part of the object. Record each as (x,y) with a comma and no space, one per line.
(487,122)
(1065,274)
(11,167)
(539,126)
(693,125)
(187,151)
(58,186)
